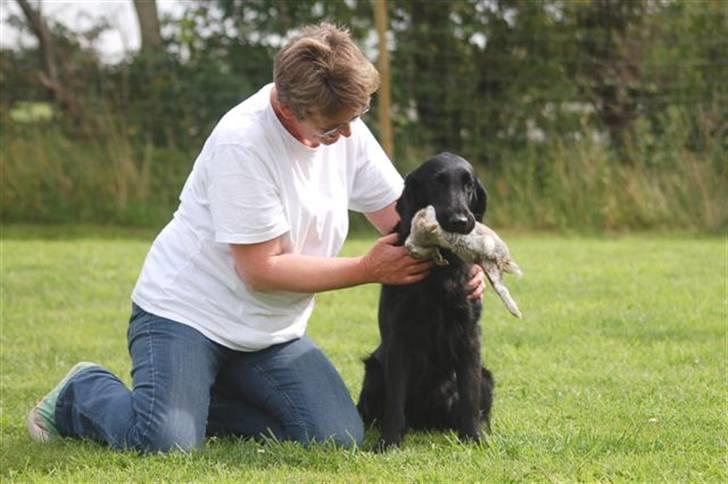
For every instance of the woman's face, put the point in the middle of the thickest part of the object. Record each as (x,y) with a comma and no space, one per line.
(316,129)
(324,130)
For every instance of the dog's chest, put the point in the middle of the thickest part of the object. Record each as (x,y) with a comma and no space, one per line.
(444,319)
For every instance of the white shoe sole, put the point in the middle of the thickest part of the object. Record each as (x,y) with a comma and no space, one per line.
(35,422)
(37,432)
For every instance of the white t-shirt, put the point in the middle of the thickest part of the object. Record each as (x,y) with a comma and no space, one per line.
(252,182)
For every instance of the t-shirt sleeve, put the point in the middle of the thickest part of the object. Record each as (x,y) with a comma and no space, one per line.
(376,181)
(245,203)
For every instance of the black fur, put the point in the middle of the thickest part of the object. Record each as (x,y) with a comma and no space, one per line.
(426,373)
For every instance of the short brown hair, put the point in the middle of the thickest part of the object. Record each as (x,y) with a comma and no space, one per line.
(323,72)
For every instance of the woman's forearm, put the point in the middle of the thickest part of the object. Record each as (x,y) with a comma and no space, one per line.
(265,267)
(308,274)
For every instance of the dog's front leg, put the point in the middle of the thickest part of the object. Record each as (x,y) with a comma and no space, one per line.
(468,373)
(395,382)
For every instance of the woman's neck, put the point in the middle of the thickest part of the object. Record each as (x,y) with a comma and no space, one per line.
(287,119)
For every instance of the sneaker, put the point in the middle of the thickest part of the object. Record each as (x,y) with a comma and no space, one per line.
(41,420)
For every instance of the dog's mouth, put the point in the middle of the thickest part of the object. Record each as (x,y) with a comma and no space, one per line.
(459,223)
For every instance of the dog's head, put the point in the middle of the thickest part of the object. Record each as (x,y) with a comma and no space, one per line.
(448,183)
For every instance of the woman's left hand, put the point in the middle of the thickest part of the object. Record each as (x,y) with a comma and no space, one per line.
(476,284)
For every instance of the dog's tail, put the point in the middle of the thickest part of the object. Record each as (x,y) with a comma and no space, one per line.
(371,398)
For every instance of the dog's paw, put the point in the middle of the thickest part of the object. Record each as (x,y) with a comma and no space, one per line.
(385,444)
(470,435)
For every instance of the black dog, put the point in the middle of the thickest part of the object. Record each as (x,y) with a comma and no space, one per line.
(426,373)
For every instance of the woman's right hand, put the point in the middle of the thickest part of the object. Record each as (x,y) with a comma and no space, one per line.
(387,263)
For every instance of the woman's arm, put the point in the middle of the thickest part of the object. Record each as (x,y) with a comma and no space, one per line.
(385,219)
(265,267)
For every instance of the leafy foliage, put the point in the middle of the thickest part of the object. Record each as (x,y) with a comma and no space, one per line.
(505,83)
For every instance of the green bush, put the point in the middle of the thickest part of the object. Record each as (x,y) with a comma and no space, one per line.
(566,185)
(51,178)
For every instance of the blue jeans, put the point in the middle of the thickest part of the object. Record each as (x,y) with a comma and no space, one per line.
(187,386)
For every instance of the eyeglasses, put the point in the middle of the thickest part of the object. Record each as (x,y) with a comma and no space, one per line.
(339,127)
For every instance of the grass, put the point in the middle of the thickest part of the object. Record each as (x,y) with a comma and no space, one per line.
(616,373)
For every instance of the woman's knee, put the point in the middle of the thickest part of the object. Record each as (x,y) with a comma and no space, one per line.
(348,433)
(178,431)
(351,435)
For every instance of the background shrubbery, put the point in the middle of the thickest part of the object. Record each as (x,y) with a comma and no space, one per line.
(584,115)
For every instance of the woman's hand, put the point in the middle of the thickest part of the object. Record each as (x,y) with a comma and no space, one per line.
(476,284)
(387,263)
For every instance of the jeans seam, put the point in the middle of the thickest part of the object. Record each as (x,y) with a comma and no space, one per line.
(299,420)
(148,423)
(60,401)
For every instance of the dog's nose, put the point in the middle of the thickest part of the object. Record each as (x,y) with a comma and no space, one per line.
(461,224)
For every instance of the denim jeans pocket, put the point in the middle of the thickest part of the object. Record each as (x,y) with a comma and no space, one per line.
(135,311)
(136,322)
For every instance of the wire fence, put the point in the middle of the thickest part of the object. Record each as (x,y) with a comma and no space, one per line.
(497,80)
(621,120)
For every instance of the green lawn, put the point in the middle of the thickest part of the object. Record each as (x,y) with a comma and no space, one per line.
(616,373)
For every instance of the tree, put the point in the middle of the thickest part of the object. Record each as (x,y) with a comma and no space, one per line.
(51,77)
(385,123)
(148,17)
(612,40)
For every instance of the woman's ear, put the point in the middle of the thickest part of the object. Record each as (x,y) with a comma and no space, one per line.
(282,110)
(286,112)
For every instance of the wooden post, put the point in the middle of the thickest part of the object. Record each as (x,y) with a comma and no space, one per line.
(385,97)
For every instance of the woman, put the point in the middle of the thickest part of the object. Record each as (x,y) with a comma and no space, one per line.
(220,308)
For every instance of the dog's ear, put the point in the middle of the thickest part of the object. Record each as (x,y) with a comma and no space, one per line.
(407,202)
(479,201)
